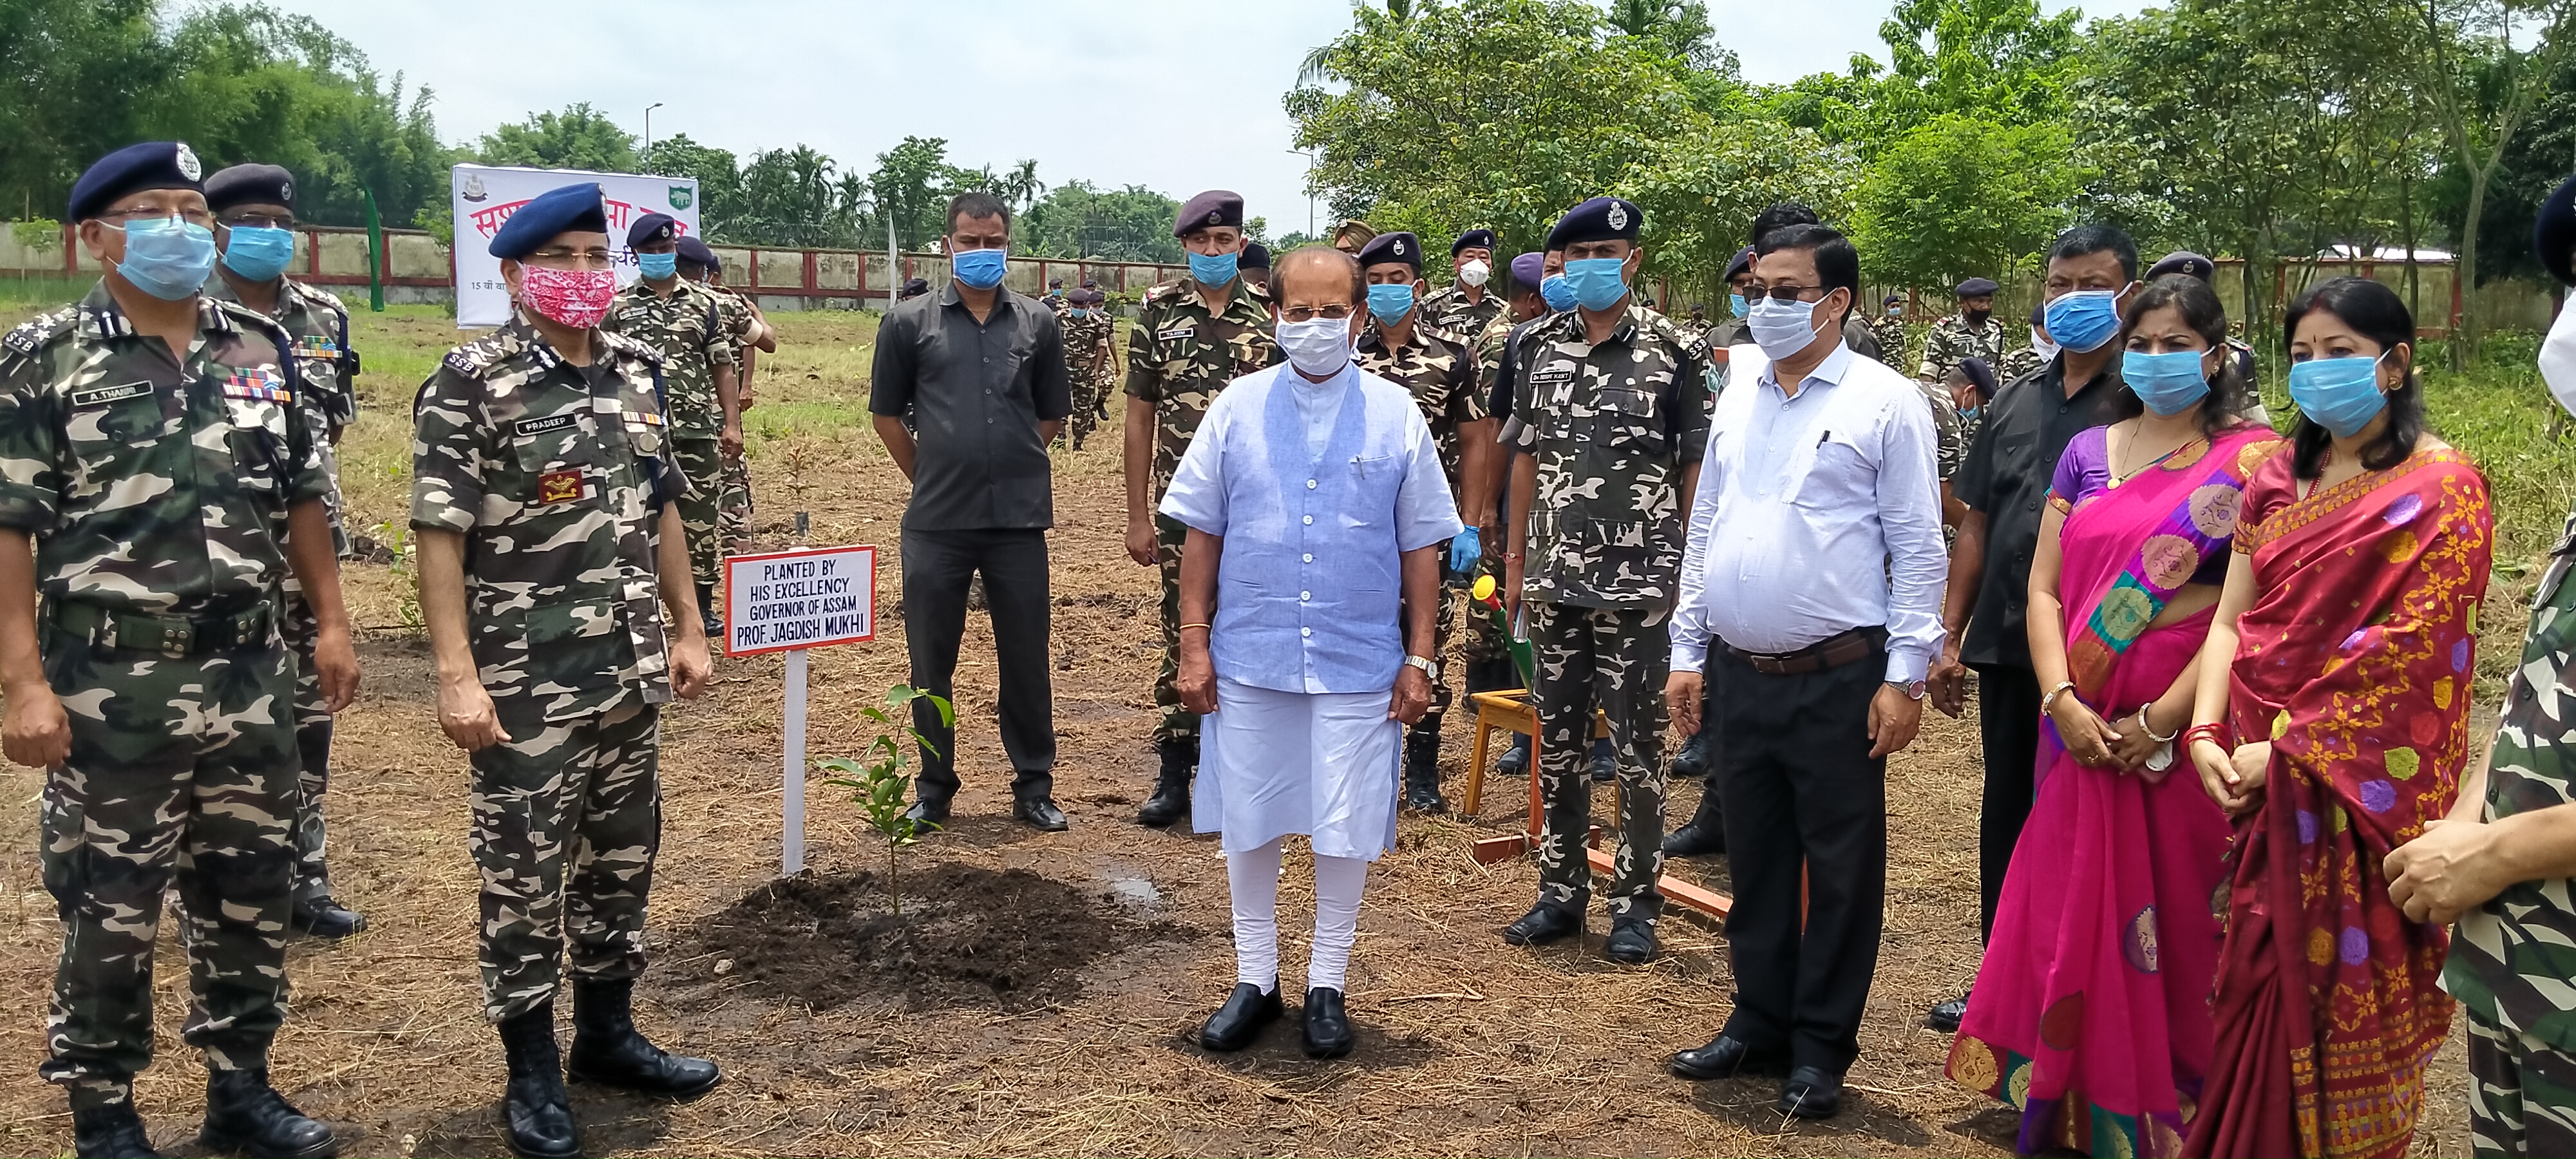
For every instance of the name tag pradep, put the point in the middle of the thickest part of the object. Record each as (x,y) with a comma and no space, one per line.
(1176,333)
(559,487)
(92,396)
(539,426)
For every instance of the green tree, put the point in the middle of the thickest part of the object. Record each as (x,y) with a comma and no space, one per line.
(911,184)
(719,174)
(1701,192)
(78,78)
(1961,197)
(797,197)
(579,137)
(1080,220)
(1998,59)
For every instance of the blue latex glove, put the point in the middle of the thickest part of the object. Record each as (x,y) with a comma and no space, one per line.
(1465,551)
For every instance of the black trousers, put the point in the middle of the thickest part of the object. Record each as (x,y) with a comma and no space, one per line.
(937,568)
(1801,790)
(2008,721)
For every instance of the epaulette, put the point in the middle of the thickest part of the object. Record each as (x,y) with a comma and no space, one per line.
(251,319)
(1159,294)
(1691,346)
(631,347)
(320,298)
(30,336)
(475,358)
(1448,336)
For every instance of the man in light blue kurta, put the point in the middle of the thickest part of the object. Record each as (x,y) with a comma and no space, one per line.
(1316,503)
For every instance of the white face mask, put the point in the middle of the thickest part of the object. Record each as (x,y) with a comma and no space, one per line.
(2558,357)
(1317,346)
(2040,345)
(1474,273)
(1782,329)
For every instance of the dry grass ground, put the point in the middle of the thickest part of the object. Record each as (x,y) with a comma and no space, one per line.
(1468,1046)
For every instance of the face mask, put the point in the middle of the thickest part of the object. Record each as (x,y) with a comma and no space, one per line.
(2168,383)
(1894,311)
(981,269)
(2083,320)
(2041,346)
(1735,302)
(657,267)
(1782,329)
(1596,282)
(1390,302)
(1558,292)
(1474,273)
(2558,358)
(166,257)
(1970,413)
(258,253)
(2339,394)
(1978,317)
(1078,312)
(1317,346)
(575,298)
(1213,271)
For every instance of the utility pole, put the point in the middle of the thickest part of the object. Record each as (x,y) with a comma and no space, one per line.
(648,127)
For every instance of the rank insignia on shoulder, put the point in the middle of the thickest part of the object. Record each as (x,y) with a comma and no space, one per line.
(258,382)
(559,487)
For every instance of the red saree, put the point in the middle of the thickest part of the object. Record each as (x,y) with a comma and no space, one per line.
(2355,661)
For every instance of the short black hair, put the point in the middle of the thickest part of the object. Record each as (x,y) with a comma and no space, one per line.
(1837,263)
(2375,312)
(1780,217)
(977,203)
(2084,240)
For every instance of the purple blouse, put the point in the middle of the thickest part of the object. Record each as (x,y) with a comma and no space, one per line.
(2085,471)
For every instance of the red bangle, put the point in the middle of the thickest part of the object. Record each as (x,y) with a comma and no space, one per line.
(2215,733)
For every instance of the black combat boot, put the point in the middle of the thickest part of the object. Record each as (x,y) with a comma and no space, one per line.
(323,918)
(536,1113)
(1422,772)
(246,1116)
(1515,761)
(606,1049)
(1171,799)
(113,1131)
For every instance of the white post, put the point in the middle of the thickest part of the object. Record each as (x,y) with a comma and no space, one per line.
(894,264)
(791,849)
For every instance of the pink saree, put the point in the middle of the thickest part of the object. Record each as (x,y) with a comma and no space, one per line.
(2091,1011)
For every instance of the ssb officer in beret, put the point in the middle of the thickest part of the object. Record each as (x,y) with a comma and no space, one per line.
(2239,352)
(255,229)
(1610,420)
(685,323)
(752,336)
(1255,265)
(1465,306)
(1191,337)
(1972,332)
(159,481)
(546,501)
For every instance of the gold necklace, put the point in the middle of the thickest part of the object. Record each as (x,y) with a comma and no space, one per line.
(2118,477)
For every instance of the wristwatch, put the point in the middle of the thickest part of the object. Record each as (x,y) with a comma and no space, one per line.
(1912,691)
(1424,663)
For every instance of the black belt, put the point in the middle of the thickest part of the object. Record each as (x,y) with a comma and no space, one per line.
(1831,652)
(169,635)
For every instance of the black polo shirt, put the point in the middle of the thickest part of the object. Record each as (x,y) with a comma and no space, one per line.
(977,392)
(2007,477)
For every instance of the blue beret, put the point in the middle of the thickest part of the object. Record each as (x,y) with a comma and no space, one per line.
(1090,284)
(693,250)
(1213,208)
(133,169)
(1256,256)
(1977,287)
(1392,248)
(2555,233)
(1528,270)
(250,185)
(1979,375)
(652,227)
(1891,299)
(540,218)
(1472,239)
(2187,263)
(1741,264)
(1600,219)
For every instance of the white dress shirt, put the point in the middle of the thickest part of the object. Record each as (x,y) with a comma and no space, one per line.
(1817,513)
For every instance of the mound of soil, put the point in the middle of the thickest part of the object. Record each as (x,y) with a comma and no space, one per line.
(968,937)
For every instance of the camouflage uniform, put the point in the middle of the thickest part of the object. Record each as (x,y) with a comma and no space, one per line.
(1613,429)
(556,476)
(2509,963)
(1440,371)
(1950,431)
(158,499)
(734,511)
(1448,311)
(1090,353)
(1954,341)
(1890,329)
(687,328)
(319,326)
(1179,355)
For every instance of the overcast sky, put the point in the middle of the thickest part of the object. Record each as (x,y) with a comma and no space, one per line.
(1178,96)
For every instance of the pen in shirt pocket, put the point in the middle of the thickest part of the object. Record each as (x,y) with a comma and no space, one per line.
(1821,436)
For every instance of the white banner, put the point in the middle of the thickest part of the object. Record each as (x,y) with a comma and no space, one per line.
(483,197)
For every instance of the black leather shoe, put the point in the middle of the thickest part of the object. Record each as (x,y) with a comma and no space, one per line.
(1246,1011)
(1543,924)
(607,1049)
(1171,799)
(1693,761)
(246,1116)
(1812,1092)
(1726,1057)
(326,919)
(1328,1029)
(1422,773)
(928,813)
(1630,941)
(536,1114)
(1038,812)
(1947,1016)
(1515,761)
(113,1132)
(1705,834)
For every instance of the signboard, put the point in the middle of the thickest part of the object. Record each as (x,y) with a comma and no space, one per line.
(482,197)
(810,598)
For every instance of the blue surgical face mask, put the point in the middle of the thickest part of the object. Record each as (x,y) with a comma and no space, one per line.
(257,252)
(2340,394)
(1597,282)
(1390,302)
(2082,320)
(2168,383)
(1078,312)
(1970,413)
(1735,302)
(167,257)
(658,267)
(1213,271)
(1558,292)
(981,269)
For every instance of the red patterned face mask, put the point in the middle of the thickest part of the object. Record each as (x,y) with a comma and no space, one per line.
(575,298)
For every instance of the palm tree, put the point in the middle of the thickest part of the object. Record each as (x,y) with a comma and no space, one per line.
(1317,67)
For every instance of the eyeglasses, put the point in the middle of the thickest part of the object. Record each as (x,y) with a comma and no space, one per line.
(1337,312)
(196,217)
(1785,293)
(597,259)
(259,221)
